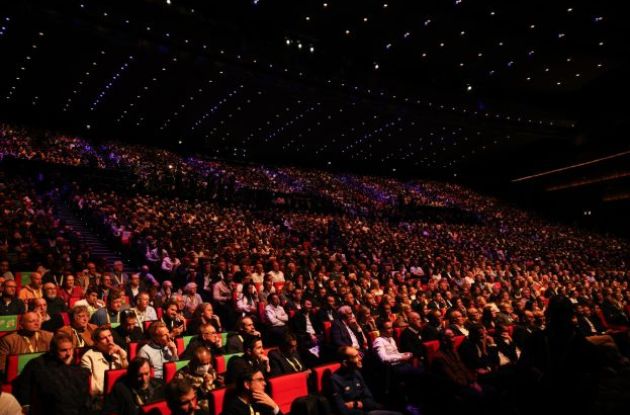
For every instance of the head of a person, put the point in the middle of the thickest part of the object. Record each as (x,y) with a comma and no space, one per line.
(253,346)
(350,358)
(40,306)
(31,322)
(249,382)
(61,348)
(106,281)
(171,308)
(208,333)
(142,301)
(139,372)
(477,333)
(36,280)
(559,313)
(50,290)
(387,328)
(159,334)
(9,289)
(91,296)
(246,326)
(103,339)
(129,320)
(457,318)
(274,299)
(191,288)
(114,301)
(346,314)
(134,280)
(118,266)
(201,361)
(167,286)
(288,345)
(446,339)
(180,396)
(415,321)
(79,317)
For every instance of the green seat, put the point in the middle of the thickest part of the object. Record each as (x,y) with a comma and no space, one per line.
(224,337)
(187,340)
(180,364)
(8,323)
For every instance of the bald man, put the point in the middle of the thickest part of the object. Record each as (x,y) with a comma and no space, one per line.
(28,339)
(33,290)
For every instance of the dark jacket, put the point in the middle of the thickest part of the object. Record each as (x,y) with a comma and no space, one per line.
(348,386)
(341,337)
(124,400)
(241,364)
(15,307)
(51,387)
(235,406)
(411,341)
(284,365)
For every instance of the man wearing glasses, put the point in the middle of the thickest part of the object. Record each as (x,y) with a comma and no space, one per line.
(251,398)
(209,338)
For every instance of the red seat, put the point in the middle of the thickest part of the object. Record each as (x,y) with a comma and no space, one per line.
(221,362)
(322,372)
(111,376)
(397,332)
(286,388)
(133,350)
(72,300)
(179,342)
(327,327)
(147,324)
(157,408)
(457,341)
(65,317)
(431,348)
(170,368)
(215,401)
(15,364)
(261,312)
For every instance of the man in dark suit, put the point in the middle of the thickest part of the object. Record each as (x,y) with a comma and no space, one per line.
(250,397)
(285,359)
(306,326)
(253,358)
(411,338)
(245,328)
(345,330)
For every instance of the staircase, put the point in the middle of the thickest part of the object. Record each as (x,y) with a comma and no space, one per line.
(98,248)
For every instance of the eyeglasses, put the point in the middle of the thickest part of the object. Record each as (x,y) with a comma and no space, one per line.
(260,379)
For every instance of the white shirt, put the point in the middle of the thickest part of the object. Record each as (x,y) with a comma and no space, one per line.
(387,350)
(95,362)
(276,316)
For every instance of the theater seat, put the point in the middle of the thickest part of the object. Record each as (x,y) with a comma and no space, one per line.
(457,341)
(147,324)
(133,350)
(431,348)
(170,368)
(16,362)
(327,327)
(111,376)
(179,342)
(215,401)
(65,317)
(186,340)
(286,388)
(157,408)
(221,362)
(322,374)
(8,324)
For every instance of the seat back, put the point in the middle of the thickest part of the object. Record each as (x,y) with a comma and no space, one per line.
(170,368)
(431,348)
(221,362)
(156,408)
(186,340)
(8,323)
(322,375)
(215,401)
(457,341)
(133,350)
(111,376)
(16,362)
(179,342)
(327,327)
(286,388)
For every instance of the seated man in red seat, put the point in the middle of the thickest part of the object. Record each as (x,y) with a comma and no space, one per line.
(181,398)
(250,397)
(103,356)
(133,390)
(252,359)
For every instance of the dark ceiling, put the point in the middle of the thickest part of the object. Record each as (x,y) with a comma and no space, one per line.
(489,89)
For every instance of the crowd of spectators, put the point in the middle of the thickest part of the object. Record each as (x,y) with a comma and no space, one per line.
(511,301)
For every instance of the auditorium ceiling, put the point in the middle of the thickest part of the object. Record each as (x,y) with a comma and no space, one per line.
(442,88)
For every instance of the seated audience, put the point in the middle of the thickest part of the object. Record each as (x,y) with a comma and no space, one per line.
(104,355)
(135,389)
(160,349)
(28,339)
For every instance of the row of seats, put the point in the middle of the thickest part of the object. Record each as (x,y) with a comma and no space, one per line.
(283,389)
